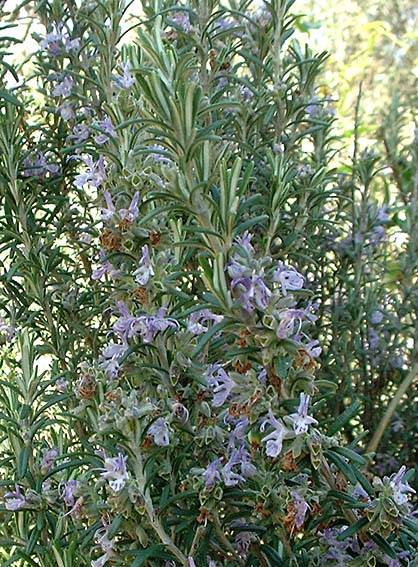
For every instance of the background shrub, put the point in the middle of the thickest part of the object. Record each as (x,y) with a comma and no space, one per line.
(182,234)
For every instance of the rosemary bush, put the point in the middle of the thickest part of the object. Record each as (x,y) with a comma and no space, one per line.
(177,246)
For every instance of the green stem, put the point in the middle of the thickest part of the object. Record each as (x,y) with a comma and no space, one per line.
(378,434)
(149,508)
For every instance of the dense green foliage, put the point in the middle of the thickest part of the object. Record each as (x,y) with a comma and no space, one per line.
(181,236)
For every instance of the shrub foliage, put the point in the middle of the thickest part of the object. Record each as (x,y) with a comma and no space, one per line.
(179,242)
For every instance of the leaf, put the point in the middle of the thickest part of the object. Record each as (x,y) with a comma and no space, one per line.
(344,467)
(344,418)
(250,528)
(350,455)
(273,555)
(10,98)
(384,545)
(353,529)
(206,337)
(364,482)
(346,498)
(176,498)
(411,523)
(32,540)
(260,220)
(23,460)
(156,551)
(17,556)
(114,526)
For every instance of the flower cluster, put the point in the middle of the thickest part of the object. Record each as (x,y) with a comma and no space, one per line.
(174,287)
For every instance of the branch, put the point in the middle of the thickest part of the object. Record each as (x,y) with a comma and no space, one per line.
(378,434)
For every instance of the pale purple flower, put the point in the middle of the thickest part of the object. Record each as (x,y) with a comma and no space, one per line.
(67,490)
(181,20)
(57,42)
(127,326)
(159,432)
(305,170)
(242,542)
(243,457)
(251,291)
(9,331)
(262,376)
(108,211)
(231,477)
(66,111)
(64,87)
(377,235)
(238,433)
(220,383)
(376,317)
(110,358)
(397,361)
(52,43)
(301,507)
(150,325)
(261,292)
(105,267)
(36,165)
(158,154)
(211,474)
(95,173)
(46,487)
(397,424)
(106,131)
(106,545)
(16,500)
(85,238)
(400,489)
(80,134)
(314,108)
(262,15)
(337,550)
(236,270)
(224,23)
(61,385)
(124,81)
(191,562)
(382,214)
(359,493)
(373,339)
(222,83)
(115,472)
(131,213)
(301,420)
(246,93)
(144,272)
(196,322)
(274,440)
(278,148)
(289,278)
(313,348)
(290,322)
(71,44)
(180,412)
(245,242)
(48,459)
